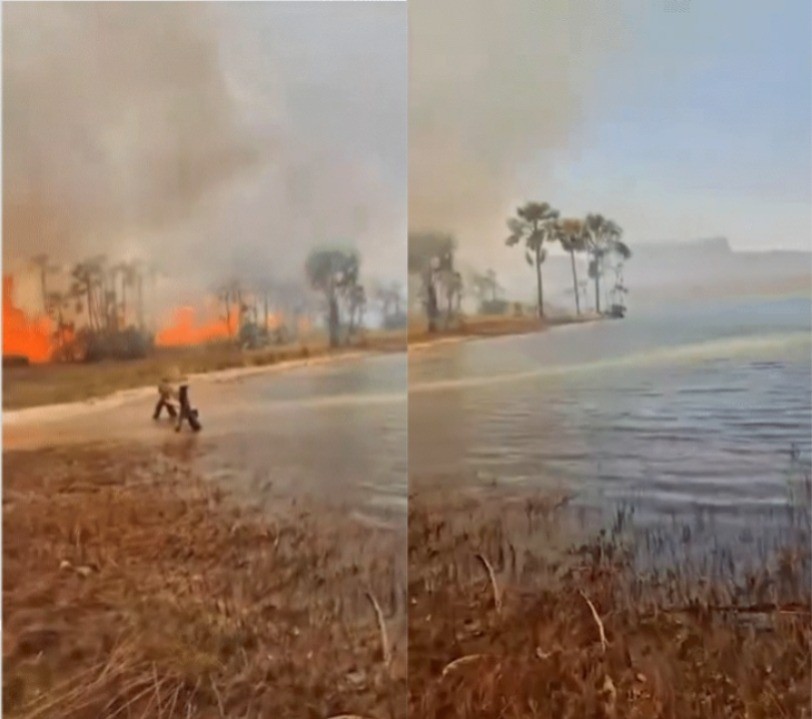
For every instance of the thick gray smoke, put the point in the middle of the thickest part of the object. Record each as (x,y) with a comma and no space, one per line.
(495,86)
(217,140)
(117,122)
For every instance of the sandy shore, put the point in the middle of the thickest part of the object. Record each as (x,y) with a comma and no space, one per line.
(66,410)
(63,389)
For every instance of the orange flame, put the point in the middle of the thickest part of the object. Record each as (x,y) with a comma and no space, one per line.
(185,329)
(21,336)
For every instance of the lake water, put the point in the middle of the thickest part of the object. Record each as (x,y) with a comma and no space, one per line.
(701,407)
(334,431)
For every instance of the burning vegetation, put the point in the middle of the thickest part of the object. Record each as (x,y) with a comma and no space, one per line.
(98,310)
(26,339)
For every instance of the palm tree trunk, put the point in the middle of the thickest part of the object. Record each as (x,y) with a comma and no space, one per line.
(431,305)
(90,317)
(575,283)
(265,301)
(140,288)
(538,281)
(333,321)
(597,286)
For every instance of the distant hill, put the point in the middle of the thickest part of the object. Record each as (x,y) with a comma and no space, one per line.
(669,269)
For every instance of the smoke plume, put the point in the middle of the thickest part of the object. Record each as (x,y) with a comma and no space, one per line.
(215,140)
(493,88)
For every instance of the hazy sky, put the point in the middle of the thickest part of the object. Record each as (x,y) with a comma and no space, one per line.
(219,138)
(675,124)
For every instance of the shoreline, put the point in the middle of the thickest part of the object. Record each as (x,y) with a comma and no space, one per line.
(481,327)
(235,612)
(506,606)
(239,366)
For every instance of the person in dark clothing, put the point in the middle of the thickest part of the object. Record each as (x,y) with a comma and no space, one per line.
(186,411)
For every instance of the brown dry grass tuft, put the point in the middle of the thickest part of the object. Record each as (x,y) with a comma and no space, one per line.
(132,589)
(585,633)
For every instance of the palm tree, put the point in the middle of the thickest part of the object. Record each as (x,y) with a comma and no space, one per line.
(231,294)
(571,233)
(129,278)
(602,239)
(533,225)
(330,271)
(57,302)
(452,284)
(356,301)
(431,255)
(87,282)
(138,269)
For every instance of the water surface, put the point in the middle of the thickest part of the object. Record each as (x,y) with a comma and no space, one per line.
(333,431)
(702,407)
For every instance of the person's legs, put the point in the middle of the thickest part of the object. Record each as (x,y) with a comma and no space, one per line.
(163,401)
(184,407)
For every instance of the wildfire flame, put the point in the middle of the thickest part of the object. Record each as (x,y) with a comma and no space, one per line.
(185,329)
(36,338)
(24,337)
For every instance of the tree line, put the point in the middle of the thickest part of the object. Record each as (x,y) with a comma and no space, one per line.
(102,312)
(336,274)
(535,227)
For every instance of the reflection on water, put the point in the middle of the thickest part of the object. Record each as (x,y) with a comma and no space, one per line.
(335,431)
(673,410)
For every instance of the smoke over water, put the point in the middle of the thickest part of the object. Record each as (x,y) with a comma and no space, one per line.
(493,87)
(215,141)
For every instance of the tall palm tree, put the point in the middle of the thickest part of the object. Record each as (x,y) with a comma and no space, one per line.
(430,256)
(533,225)
(602,239)
(452,284)
(331,271)
(137,269)
(596,228)
(86,282)
(356,301)
(571,233)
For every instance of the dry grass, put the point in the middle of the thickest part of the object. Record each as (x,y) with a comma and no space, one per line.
(584,632)
(133,589)
(57,383)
